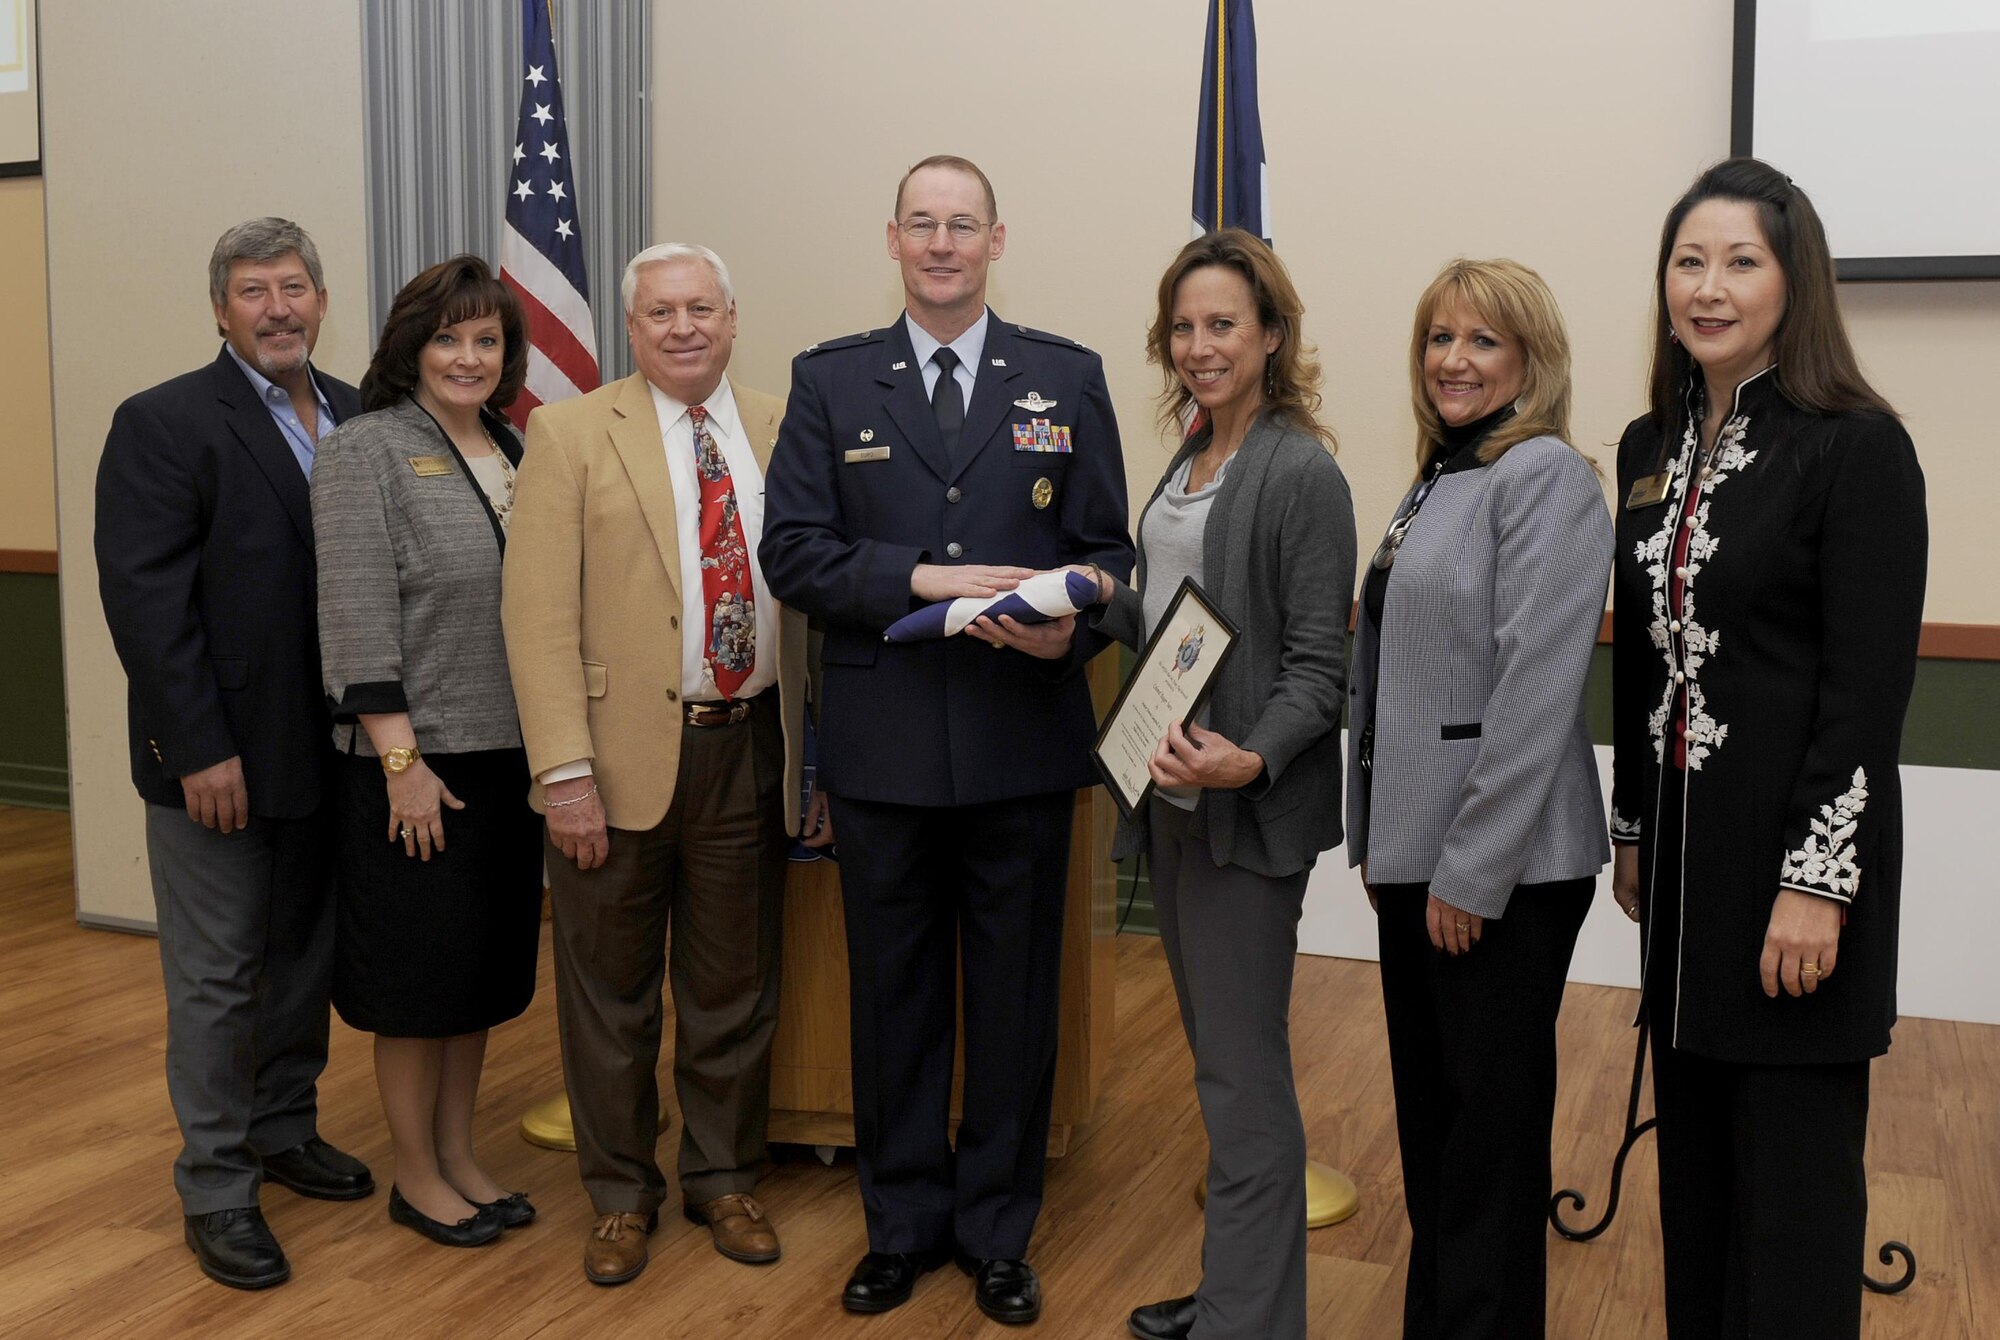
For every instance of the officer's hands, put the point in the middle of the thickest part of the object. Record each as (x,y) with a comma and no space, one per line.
(1048,641)
(216,797)
(578,828)
(941,581)
(1200,757)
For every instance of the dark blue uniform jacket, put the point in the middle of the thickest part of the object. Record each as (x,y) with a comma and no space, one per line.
(860,491)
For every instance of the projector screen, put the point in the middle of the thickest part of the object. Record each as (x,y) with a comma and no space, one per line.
(1886,112)
(20,102)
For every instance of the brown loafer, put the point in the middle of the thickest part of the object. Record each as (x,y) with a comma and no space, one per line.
(742,1233)
(616,1251)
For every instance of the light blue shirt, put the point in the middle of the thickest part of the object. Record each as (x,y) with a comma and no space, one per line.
(279,405)
(969,347)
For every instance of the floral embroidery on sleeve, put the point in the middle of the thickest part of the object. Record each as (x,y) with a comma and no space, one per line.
(1825,863)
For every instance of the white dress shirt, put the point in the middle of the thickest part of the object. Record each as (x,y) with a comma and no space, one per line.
(725,426)
(970,347)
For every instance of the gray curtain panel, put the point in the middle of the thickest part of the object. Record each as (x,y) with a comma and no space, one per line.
(442,89)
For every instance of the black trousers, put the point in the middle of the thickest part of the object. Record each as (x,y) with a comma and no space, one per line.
(1472,1053)
(930,891)
(1763,1196)
(1763,1200)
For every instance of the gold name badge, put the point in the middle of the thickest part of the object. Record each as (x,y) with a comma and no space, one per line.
(426,466)
(1650,490)
(866,454)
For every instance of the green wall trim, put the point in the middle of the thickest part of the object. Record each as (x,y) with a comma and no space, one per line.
(34,744)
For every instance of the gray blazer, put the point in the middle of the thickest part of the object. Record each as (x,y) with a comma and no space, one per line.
(1278,557)
(1483,773)
(409,584)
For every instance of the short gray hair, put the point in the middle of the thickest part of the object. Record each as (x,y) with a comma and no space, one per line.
(673,251)
(264,239)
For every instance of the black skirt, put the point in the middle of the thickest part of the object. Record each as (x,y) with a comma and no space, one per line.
(432,949)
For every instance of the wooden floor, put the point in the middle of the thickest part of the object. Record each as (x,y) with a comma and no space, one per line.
(90,1232)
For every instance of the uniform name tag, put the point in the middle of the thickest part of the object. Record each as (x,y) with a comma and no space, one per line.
(426,466)
(1650,490)
(866,454)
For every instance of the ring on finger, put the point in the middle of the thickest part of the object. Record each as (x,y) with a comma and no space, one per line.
(1809,969)
(408,832)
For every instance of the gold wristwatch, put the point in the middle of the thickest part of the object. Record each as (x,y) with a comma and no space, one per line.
(397,761)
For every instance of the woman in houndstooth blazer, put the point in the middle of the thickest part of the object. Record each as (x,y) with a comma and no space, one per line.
(438,857)
(1474,810)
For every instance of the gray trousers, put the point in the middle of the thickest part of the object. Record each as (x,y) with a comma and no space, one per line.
(246,947)
(713,870)
(1231,938)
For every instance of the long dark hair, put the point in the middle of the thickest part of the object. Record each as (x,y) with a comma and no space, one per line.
(1816,367)
(444,295)
(1292,374)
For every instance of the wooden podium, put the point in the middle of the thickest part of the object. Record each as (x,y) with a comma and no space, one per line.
(812,1100)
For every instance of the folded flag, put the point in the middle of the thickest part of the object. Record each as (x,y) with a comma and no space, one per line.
(1042,597)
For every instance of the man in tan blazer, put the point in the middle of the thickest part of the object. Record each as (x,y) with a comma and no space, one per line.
(661,697)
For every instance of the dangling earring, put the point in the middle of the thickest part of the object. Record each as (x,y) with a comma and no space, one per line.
(1270,378)
(1673,336)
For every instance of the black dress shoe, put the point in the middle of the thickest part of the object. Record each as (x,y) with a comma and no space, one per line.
(235,1247)
(884,1279)
(1006,1291)
(317,1169)
(513,1210)
(475,1230)
(1168,1319)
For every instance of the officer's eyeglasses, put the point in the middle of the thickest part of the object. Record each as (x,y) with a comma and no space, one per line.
(923,228)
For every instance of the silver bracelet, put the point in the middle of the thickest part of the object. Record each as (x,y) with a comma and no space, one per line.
(573,800)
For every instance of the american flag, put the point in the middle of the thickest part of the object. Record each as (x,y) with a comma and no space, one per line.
(541,247)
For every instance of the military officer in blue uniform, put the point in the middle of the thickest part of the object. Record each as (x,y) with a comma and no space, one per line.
(949,454)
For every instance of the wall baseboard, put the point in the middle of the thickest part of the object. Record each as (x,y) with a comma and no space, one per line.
(34,786)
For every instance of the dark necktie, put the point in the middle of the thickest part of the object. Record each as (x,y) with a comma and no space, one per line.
(946,401)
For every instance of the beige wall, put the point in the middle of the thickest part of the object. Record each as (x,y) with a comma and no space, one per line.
(27,456)
(163,125)
(1556,132)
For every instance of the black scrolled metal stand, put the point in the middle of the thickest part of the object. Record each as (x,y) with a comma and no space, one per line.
(1634,1128)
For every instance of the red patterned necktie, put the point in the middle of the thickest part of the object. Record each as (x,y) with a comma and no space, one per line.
(725,566)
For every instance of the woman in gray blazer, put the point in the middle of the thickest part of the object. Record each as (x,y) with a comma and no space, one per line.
(1474,811)
(1255,509)
(438,888)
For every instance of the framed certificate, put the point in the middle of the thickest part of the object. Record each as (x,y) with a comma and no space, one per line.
(1172,679)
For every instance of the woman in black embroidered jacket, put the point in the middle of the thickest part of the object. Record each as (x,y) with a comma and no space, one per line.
(1769,593)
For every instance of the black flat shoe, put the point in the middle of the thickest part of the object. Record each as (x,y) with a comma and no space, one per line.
(237,1248)
(317,1169)
(513,1210)
(1006,1291)
(475,1230)
(1168,1319)
(884,1280)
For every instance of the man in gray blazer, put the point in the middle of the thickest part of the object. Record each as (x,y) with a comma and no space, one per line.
(205,566)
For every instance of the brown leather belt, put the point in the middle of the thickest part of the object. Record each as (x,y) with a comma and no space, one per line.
(716,714)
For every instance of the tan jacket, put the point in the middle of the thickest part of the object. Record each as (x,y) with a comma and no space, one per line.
(591,600)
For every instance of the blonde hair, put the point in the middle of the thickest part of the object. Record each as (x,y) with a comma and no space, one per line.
(1512,299)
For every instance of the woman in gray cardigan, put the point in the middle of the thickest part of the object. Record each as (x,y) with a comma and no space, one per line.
(438,889)
(1254,508)
(1474,810)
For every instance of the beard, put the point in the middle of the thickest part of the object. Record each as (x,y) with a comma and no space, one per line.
(272,364)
